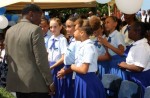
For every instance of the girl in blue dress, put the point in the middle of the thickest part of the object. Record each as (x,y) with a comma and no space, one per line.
(116,46)
(138,60)
(103,55)
(66,73)
(56,47)
(87,84)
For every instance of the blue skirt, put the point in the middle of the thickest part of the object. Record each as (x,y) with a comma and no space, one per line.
(103,68)
(57,82)
(141,78)
(88,86)
(67,85)
(114,68)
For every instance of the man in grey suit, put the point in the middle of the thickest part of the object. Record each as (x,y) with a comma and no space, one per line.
(28,69)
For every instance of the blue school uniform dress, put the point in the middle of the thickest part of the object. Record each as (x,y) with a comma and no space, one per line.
(116,39)
(139,55)
(103,66)
(56,48)
(88,85)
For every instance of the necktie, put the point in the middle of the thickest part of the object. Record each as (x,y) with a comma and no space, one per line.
(53,44)
(96,44)
(109,39)
(45,35)
(127,49)
(127,29)
(70,40)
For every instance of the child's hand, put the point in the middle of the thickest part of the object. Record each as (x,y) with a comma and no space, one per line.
(103,41)
(51,67)
(61,73)
(122,64)
(73,66)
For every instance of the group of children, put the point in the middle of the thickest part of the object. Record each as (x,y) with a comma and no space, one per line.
(79,57)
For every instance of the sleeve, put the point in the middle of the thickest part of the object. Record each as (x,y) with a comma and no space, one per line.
(120,39)
(141,57)
(89,53)
(41,55)
(63,45)
(69,56)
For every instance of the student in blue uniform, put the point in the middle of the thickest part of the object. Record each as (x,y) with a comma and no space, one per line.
(129,19)
(65,73)
(56,48)
(103,55)
(87,84)
(116,46)
(69,57)
(138,59)
(45,28)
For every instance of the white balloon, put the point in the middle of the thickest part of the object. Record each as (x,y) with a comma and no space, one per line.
(3,22)
(103,1)
(129,6)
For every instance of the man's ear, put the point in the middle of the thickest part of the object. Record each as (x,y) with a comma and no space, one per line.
(30,14)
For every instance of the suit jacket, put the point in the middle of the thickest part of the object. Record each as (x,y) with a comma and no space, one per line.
(28,68)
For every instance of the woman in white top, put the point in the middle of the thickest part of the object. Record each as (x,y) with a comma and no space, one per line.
(138,59)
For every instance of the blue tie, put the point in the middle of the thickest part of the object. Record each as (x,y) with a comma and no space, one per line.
(96,44)
(53,44)
(127,49)
(70,40)
(127,29)
(45,35)
(109,39)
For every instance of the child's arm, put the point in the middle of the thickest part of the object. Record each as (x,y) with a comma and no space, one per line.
(63,72)
(59,62)
(132,67)
(104,57)
(119,50)
(82,69)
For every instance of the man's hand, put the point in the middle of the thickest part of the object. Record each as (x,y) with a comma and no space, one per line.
(52,89)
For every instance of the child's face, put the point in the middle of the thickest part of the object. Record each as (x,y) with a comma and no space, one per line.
(44,26)
(55,27)
(77,35)
(132,34)
(70,28)
(98,32)
(110,25)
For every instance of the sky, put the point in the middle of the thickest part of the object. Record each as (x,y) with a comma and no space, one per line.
(145,5)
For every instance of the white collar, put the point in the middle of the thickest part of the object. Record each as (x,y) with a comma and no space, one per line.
(144,40)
